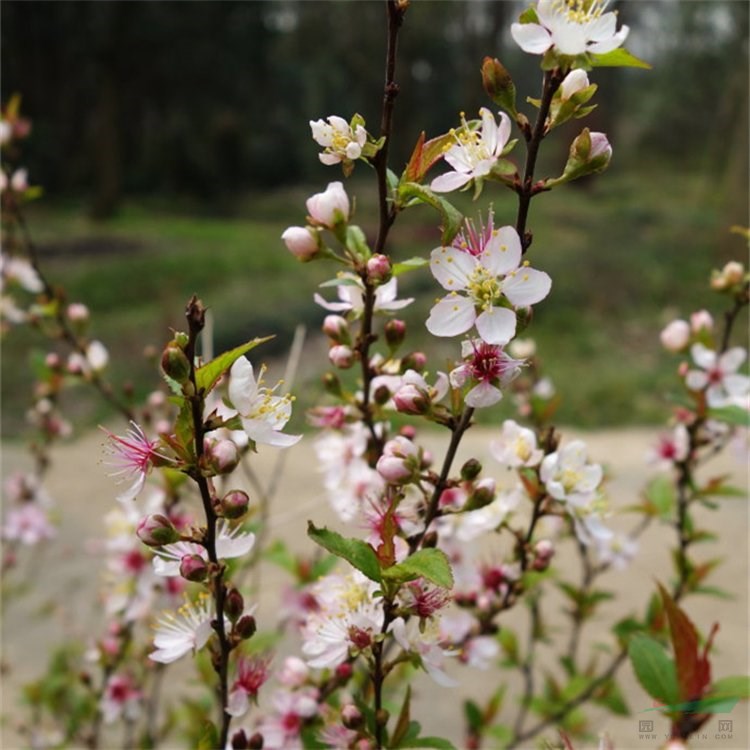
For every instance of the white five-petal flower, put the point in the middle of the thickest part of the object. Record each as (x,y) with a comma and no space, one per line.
(189,631)
(516,446)
(567,475)
(718,375)
(475,152)
(572,27)
(351,296)
(484,280)
(339,141)
(263,415)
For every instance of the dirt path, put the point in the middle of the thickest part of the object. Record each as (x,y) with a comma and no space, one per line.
(65,604)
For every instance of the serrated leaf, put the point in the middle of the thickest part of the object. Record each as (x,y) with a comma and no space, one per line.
(452,217)
(654,669)
(431,564)
(208,375)
(734,415)
(408,265)
(356,552)
(618,58)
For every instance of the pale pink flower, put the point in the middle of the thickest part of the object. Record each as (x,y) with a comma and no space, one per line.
(263,415)
(22,272)
(302,242)
(423,641)
(568,476)
(281,730)
(575,81)
(516,446)
(27,524)
(485,280)
(474,152)
(294,672)
(188,631)
(413,395)
(617,550)
(423,600)
(134,457)
(488,368)
(340,142)
(672,448)
(718,375)
(572,27)
(351,294)
(700,321)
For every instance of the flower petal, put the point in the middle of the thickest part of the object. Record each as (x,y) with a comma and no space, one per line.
(452,268)
(502,254)
(483,395)
(242,385)
(526,287)
(497,325)
(451,316)
(449,181)
(531,37)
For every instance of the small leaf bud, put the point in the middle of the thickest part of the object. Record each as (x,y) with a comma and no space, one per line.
(344,671)
(220,456)
(255,742)
(381,395)
(175,364)
(381,717)
(498,84)
(471,470)
(234,605)
(332,384)
(156,530)
(193,568)
(430,539)
(246,627)
(234,504)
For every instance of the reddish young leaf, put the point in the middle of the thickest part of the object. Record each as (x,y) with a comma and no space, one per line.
(413,168)
(386,550)
(693,670)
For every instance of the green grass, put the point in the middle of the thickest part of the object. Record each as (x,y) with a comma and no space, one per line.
(626,254)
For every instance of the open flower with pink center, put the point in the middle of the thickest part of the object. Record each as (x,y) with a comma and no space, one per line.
(474,152)
(718,375)
(281,729)
(251,675)
(423,641)
(121,698)
(567,474)
(670,449)
(481,285)
(28,524)
(134,455)
(572,27)
(487,368)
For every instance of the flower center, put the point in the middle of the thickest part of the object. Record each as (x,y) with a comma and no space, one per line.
(470,141)
(483,287)
(486,364)
(580,11)
(570,478)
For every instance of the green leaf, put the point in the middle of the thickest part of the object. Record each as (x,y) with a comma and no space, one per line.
(731,687)
(435,742)
(207,376)
(402,725)
(618,58)
(654,669)
(209,737)
(356,552)
(473,714)
(430,563)
(409,265)
(529,16)
(452,217)
(734,415)
(661,495)
(611,697)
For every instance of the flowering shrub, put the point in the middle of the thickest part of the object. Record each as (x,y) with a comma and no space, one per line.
(405,586)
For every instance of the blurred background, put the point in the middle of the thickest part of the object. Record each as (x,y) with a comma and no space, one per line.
(173,146)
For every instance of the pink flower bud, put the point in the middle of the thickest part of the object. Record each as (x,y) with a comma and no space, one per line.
(379,269)
(302,242)
(220,456)
(77,312)
(193,568)
(341,356)
(351,716)
(600,147)
(234,504)
(675,336)
(239,741)
(701,321)
(484,493)
(395,331)
(156,530)
(414,361)
(330,207)
(544,549)
(400,461)
(53,361)
(336,327)
(234,604)
(409,399)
